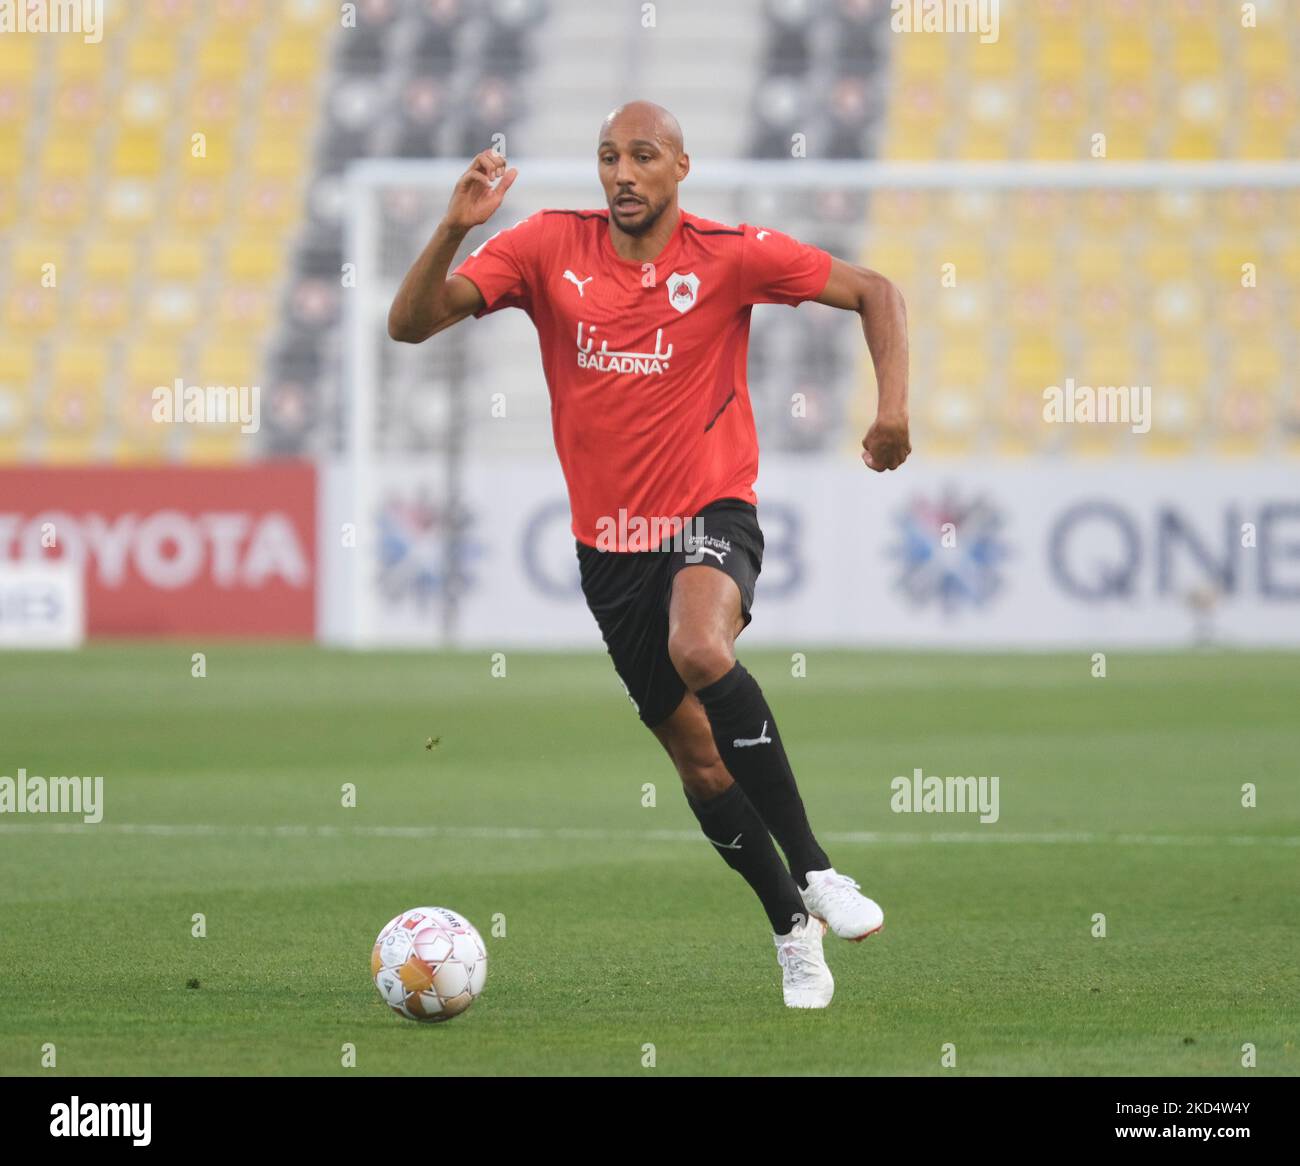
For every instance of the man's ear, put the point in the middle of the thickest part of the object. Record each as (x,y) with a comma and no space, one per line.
(683,166)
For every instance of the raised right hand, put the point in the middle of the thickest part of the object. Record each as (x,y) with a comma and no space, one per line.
(474,200)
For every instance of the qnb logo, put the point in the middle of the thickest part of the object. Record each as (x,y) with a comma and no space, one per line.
(102,1119)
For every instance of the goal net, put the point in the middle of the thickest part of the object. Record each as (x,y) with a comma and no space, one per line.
(449,509)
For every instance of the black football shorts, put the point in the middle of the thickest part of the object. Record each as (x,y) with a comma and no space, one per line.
(628,593)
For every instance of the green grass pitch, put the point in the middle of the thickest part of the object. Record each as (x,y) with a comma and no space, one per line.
(623,929)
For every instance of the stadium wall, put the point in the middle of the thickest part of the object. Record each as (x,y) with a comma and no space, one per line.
(1035,554)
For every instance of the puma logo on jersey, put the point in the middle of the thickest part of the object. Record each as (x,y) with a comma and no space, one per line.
(761,235)
(573,279)
(761,739)
(702,550)
(734,844)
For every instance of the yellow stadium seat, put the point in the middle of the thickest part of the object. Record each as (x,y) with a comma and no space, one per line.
(130,203)
(1099,260)
(294,58)
(1192,143)
(103,308)
(108,258)
(216,445)
(228,362)
(304,17)
(167,18)
(172,307)
(11,152)
(179,257)
(978,144)
(223,56)
(143,104)
(1264,53)
(283,156)
(1184,361)
(73,411)
(269,206)
(1032,259)
(17,363)
(254,259)
(1262,143)
(1196,53)
(153,56)
(139,436)
(1070,143)
(964,360)
(200,201)
(1062,58)
(149,365)
(138,154)
(920,55)
(20,56)
(62,203)
(1257,361)
(1130,55)
(69,155)
(245,306)
(1178,415)
(1036,362)
(211,156)
(996,59)
(1166,258)
(80,364)
(74,58)
(37,261)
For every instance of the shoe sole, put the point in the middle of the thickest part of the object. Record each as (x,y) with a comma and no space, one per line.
(851,938)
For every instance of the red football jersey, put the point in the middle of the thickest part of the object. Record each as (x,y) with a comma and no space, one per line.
(645,361)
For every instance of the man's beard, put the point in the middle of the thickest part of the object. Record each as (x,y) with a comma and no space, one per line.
(640,228)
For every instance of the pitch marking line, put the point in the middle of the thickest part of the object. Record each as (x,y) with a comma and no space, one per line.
(531,833)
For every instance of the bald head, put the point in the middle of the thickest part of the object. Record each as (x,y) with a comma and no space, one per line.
(644,121)
(640,161)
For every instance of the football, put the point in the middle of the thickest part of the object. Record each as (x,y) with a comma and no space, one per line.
(429,964)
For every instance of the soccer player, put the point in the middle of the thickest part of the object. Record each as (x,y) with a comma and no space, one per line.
(642,311)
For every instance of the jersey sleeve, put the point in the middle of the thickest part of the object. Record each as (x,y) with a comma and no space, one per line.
(502,267)
(776,269)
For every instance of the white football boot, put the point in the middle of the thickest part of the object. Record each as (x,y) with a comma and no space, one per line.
(806,980)
(834,898)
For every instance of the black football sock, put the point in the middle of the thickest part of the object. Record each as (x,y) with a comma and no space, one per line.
(738,834)
(744,731)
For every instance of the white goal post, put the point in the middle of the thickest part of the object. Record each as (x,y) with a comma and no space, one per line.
(414,439)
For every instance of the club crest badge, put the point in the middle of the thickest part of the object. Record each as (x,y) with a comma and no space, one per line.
(683,290)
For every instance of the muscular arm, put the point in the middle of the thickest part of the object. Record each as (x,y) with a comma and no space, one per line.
(884,325)
(427,302)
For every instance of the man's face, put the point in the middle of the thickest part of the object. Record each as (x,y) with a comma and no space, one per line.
(639,174)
